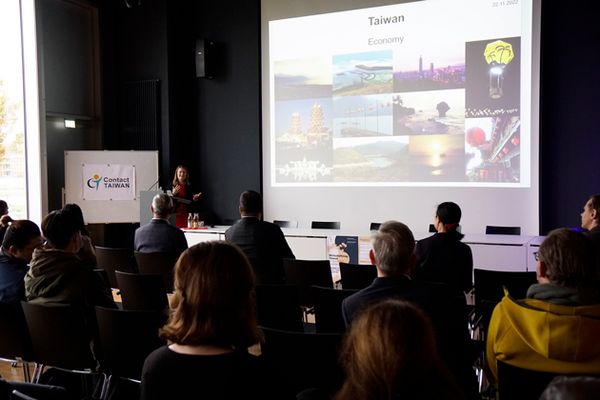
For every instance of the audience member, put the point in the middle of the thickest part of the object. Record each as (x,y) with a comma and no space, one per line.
(5,219)
(86,253)
(443,257)
(390,353)
(556,328)
(590,220)
(57,275)
(183,189)
(210,329)
(393,255)
(261,241)
(159,235)
(21,238)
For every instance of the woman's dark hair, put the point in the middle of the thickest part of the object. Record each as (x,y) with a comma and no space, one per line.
(58,228)
(449,214)
(214,298)
(3,208)
(20,233)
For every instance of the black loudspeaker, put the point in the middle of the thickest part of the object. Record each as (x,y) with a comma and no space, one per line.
(204,58)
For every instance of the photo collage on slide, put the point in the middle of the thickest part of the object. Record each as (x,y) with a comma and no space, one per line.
(398,115)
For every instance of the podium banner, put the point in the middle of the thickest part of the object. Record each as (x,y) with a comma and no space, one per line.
(108,182)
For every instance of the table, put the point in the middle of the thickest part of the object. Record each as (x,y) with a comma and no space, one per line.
(493,252)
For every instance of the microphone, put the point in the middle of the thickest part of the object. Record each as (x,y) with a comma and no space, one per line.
(154,184)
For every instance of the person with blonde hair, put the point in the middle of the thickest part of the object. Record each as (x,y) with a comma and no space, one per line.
(211,326)
(391,353)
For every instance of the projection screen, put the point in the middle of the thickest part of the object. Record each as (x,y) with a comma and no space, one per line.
(375,111)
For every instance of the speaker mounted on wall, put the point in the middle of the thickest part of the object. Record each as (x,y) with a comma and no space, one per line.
(205,58)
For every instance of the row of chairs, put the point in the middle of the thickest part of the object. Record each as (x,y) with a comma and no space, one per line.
(58,336)
(313,224)
(126,260)
(279,307)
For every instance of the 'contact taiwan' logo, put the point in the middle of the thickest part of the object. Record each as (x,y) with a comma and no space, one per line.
(94,182)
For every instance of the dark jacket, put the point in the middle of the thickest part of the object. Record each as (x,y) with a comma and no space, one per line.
(594,236)
(446,310)
(58,276)
(159,236)
(264,245)
(12,272)
(444,258)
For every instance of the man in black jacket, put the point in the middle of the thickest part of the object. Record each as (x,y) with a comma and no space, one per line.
(590,220)
(159,236)
(261,241)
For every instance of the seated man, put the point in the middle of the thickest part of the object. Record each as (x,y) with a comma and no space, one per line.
(590,220)
(556,328)
(159,235)
(5,219)
(21,238)
(57,275)
(393,255)
(262,242)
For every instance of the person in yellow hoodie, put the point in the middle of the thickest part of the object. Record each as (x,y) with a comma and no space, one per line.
(556,328)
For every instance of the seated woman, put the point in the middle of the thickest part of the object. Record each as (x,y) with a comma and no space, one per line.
(390,353)
(86,252)
(210,329)
(443,257)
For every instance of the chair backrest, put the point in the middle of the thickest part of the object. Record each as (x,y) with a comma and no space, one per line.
(38,391)
(374,226)
(278,307)
(111,259)
(328,309)
(519,383)
(286,224)
(126,339)
(304,359)
(325,225)
(60,336)
(489,285)
(158,263)
(14,337)
(357,276)
(103,276)
(142,291)
(489,288)
(307,273)
(502,230)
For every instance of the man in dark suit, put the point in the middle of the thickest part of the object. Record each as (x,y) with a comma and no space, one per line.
(393,255)
(159,235)
(262,242)
(590,220)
